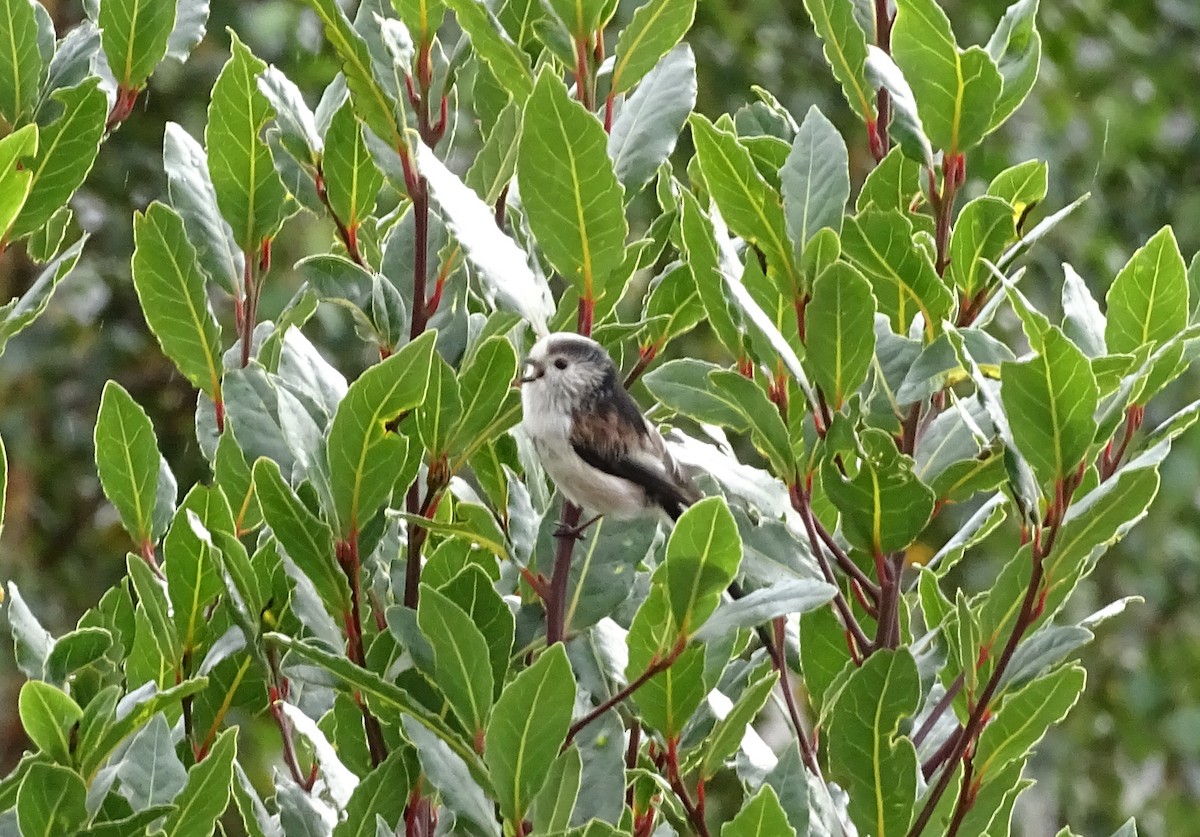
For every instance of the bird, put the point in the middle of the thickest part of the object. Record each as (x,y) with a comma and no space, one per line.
(591,437)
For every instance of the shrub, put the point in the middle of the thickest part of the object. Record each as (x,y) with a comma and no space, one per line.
(374,564)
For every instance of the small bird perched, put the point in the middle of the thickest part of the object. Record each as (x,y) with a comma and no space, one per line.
(591,437)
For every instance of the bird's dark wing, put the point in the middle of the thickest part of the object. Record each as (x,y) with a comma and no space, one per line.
(617,440)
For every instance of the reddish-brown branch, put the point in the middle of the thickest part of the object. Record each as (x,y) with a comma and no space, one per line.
(883,39)
(556,604)
(646,356)
(276,694)
(694,812)
(348,234)
(776,652)
(348,559)
(656,667)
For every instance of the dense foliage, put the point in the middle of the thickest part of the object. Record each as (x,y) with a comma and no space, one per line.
(372,564)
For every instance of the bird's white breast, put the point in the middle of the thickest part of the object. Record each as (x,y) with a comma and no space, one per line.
(547,423)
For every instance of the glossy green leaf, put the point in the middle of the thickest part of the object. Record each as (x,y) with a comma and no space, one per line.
(985,226)
(1023,717)
(51,801)
(496,163)
(667,700)
(682,385)
(702,558)
(527,727)
(206,794)
(304,537)
(67,148)
(840,321)
(768,432)
(435,417)
(902,276)
(382,792)
(48,716)
(491,43)
(653,31)
(762,816)
(459,648)
(370,100)
(1021,185)
(845,50)
(728,732)
(250,194)
(749,204)
(15,177)
(21,69)
(1148,301)
(135,34)
(1050,400)
(906,128)
(884,506)
(351,178)
(815,179)
(892,184)
(956,90)
(554,803)
(18,314)
(648,124)
(174,299)
(783,598)
(474,592)
(696,238)
(485,387)
(193,583)
(1016,47)
(365,458)
(867,757)
(128,461)
(572,198)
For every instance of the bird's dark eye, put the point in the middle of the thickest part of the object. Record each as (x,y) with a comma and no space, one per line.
(561,363)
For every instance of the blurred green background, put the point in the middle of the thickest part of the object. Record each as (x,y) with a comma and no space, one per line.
(1114,113)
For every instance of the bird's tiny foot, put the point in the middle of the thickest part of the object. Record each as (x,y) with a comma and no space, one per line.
(574,532)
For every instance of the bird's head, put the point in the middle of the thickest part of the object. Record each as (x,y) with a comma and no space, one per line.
(566,367)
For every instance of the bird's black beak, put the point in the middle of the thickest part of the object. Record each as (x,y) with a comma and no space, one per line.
(531,372)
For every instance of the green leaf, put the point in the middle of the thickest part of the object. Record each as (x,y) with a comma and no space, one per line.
(22,69)
(906,128)
(648,124)
(49,716)
(134,34)
(206,794)
(956,90)
(762,816)
(67,147)
(892,184)
(683,386)
(1021,185)
(553,806)
(1016,47)
(250,194)
(46,241)
(370,100)
(17,315)
(193,583)
(474,592)
(508,62)
(768,432)
(351,178)
(382,792)
(386,697)
(700,251)
(653,31)
(749,204)
(884,506)
(458,649)
(527,727)
(581,17)
(496,163)
(304,537)
(128,462)
(783,598)
(1023,717)
(443,404)
(51,801)
(110,736)
(702,558)
(155,629)
(572,198)
(1148,301)
(1050,400)
(172,292)
(902,276)
(485,386)
(866,756)
(727,734)
(984,228)
(846,52)
(815,179)
(365,459)
(15,177)
(840,320)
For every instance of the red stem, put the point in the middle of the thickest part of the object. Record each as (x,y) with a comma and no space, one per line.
(348,558)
